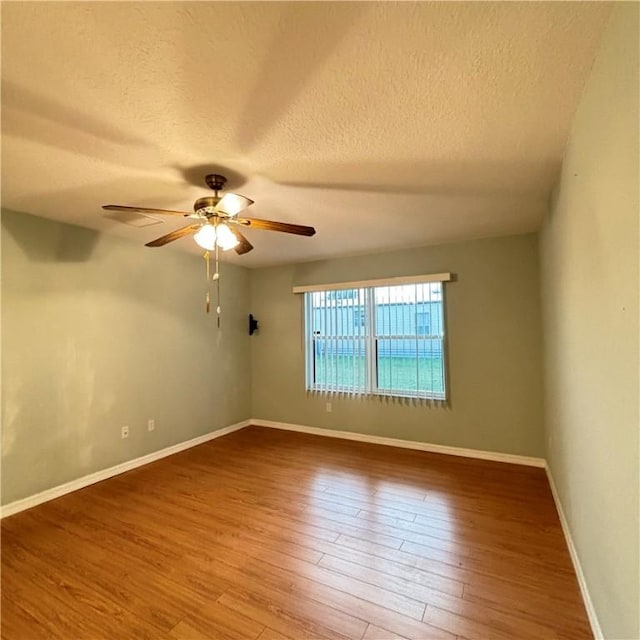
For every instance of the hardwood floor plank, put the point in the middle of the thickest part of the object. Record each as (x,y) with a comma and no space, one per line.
(154,556)
(491,618)
(217,621)
(460,568)
(478,528)
(280,586)
(474,546)
(385,596)
(463,627)
(85,600)
(487,625)
(442,509)
(527,603)
(396,584)
(495,565)
(270,634)
(512,582)
(369,604)
(53,617)
(376,633)
(272,535)
(282,618)
(285,568)
(68,612)
(395,567)
(340,524)
(15,622)
(375,613)
(302,578)
(379,507)
(163,607)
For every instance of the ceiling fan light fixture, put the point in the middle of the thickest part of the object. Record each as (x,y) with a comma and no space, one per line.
(206,237)
(226,239)
(232,204)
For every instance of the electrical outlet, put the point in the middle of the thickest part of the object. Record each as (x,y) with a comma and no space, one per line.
(124,432)
(151,425)
(329,408)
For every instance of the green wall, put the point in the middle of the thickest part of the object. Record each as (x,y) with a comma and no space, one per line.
(589,256)
(99,332)
(494,335)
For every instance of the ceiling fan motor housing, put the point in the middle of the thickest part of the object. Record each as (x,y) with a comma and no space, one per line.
(206,205)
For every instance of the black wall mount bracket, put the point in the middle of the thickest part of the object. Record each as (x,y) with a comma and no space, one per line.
(253,324)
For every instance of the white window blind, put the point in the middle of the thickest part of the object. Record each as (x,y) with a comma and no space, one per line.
(377,340)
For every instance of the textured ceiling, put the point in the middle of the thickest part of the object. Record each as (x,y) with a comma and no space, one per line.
(384,125)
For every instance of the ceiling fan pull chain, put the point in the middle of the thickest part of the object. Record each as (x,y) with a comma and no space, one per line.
(207,298)
(216,277)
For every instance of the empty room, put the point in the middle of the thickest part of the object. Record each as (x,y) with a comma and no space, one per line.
(320,321)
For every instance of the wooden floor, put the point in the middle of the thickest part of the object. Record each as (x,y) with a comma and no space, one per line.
(269,534)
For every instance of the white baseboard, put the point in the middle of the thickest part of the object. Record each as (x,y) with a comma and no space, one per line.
(85,481)
(586,597)
(404,444)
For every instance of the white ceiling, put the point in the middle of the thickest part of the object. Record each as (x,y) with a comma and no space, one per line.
(384,125)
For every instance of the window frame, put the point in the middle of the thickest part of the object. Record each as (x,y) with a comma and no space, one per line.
(371,340)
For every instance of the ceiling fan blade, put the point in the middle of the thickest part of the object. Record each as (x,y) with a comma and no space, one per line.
(174,235)
(232,204)
(121,207)
(245,246)
(270,225)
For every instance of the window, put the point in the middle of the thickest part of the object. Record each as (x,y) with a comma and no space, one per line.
(423,323)
(382,340)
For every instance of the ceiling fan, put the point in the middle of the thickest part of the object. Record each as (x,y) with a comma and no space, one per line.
(217,223)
